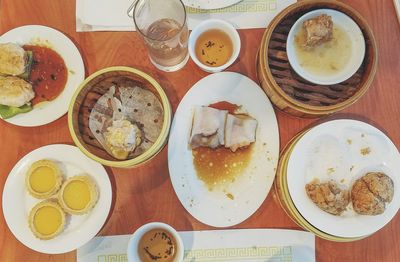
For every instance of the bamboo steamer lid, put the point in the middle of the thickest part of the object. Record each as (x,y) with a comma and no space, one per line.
(294,95)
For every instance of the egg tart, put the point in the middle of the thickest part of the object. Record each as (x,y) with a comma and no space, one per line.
(78,195)
(47,219)
(43,179)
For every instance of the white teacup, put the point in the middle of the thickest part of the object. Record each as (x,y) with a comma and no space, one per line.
(219,25)
(133,246)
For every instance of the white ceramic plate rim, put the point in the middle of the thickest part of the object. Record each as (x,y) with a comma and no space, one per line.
(209,4)
(48,112)
(210,208)
(350,226)
(357,54)
(17,202)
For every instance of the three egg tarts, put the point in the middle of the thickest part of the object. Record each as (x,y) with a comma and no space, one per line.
(76,196)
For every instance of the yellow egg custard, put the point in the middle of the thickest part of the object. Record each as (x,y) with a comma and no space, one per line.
(43,179)
(78,195)
(47,219)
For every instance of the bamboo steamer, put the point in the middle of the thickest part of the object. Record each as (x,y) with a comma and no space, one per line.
(87,95)
(286,201)
(294,95)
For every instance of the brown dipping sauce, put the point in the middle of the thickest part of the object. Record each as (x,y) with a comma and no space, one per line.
(220,166)
(157,245)
(214,48)
(49,73)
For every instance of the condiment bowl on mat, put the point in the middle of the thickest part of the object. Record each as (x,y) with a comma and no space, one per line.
(155,242)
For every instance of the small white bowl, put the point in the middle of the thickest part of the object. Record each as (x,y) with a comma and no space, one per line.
(357,54)
(220,25)
(132,251)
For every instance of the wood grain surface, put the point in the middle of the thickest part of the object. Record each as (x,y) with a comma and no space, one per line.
(145,194)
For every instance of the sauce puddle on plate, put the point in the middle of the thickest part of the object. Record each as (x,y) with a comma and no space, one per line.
(49,73)
(157,245)
(328,58)
(220,166)
(214,48)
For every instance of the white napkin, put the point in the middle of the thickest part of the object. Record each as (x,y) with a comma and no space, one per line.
(103,15)
(108,15)
(106,12)
(245,245)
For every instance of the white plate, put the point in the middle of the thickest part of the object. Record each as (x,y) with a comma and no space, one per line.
(48,112)
(332,150)
(250,189)
(209,4)
(397,6)
(356,38)
(17,202)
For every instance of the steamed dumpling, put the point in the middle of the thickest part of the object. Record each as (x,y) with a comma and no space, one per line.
(208,127)
(12,59)
(122,138)
(240,131)
(15,91)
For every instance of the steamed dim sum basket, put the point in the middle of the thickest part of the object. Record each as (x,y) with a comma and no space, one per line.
(296,96)
(86,96)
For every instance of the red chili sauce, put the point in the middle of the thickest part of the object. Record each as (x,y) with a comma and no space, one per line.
(224,105)
(49,73)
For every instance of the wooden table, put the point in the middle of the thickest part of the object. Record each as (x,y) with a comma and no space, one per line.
(145,194)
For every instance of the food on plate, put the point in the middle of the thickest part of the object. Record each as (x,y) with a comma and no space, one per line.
(328,196)
(157,245)
(208,127)
(371,193)
(14,60)
(215,127)
(15,92)
(46,220)
(15,96)
(126,120)
(240,131)
(365,151)
(43,179)
(221,138)
(122,137)
(78,194)
(10,111)
(318,30)
(29,75)
(214,48)
(321,47)
(49,73)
